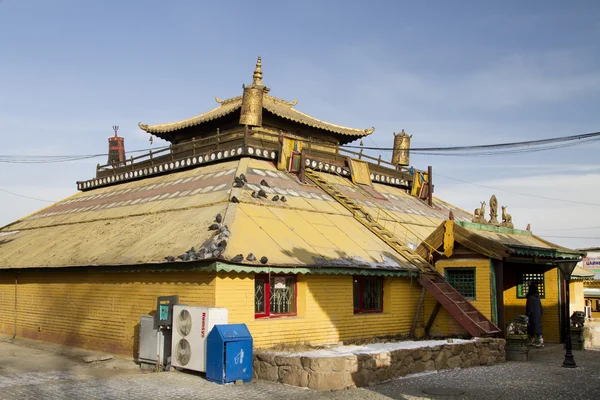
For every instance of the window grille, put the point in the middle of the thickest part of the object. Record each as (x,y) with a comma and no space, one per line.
(280,292)
(463,280)
(368,294)
(524,280)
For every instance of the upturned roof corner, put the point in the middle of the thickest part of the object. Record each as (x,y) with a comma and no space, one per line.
(260,101)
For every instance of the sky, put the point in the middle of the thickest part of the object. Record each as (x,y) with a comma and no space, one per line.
(448,73)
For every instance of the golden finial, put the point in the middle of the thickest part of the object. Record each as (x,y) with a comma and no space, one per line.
(258,73)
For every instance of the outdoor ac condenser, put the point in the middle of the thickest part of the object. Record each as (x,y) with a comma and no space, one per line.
(191,326)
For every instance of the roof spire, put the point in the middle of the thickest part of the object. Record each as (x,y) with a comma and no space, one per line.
(258,73)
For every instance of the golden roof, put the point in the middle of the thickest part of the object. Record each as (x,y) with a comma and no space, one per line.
(274,105)
(142,222)
(279,107)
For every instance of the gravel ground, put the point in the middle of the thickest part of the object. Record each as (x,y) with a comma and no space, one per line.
(40,371)
(542,377)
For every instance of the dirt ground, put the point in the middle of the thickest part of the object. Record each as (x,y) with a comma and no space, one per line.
(52,357)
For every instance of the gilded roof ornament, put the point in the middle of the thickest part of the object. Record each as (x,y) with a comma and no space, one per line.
(258,73)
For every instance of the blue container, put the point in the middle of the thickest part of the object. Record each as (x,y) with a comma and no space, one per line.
(229,354)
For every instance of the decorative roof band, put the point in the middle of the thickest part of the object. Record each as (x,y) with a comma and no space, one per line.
(175,165)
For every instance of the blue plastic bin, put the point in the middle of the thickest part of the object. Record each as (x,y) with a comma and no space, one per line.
(229,354)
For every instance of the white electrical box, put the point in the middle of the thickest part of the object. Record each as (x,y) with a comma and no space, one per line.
(191,326)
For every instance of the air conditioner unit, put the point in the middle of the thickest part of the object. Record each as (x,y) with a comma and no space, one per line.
(191,326)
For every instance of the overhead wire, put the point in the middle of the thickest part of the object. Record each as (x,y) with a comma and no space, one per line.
(571,237)
(27,197)
(48,159)
(567,229)
(496,145)
(507,148)
(520,193)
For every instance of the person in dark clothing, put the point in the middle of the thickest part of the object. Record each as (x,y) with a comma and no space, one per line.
(534,310)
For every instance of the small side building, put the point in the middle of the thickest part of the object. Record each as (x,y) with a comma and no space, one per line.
(492,266)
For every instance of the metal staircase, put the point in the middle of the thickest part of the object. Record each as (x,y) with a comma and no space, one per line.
(457,306)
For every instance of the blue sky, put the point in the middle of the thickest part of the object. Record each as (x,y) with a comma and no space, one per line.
(449,73)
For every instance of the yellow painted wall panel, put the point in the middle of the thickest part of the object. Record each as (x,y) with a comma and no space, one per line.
(444,323)
(92,309)
(577,301)
(328,315)
(514,306)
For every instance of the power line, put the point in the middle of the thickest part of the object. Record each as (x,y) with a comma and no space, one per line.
(571,237)
(521,193)
(476,150)
(27,197)
(567,229)
(498,145)
(41,159)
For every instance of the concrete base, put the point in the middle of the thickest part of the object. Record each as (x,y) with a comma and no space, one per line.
(591,334)
(358,370)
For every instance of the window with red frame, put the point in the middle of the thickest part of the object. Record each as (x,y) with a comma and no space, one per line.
(368,294)
(274,296)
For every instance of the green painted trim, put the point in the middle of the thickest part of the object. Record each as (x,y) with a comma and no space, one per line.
(262,269)
(561,333)
(541,252)
(493,228)
(494,293)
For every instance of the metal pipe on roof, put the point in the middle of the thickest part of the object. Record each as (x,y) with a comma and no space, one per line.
(429,186)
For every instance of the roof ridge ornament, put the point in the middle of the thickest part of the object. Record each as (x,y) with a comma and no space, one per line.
(258,73)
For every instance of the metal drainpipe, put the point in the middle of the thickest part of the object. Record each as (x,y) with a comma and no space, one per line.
(16,282)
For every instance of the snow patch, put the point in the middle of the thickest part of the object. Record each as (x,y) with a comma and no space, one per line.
(373,348)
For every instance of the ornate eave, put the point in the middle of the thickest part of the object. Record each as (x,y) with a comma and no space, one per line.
(226,107)
(278,107)
(284,109)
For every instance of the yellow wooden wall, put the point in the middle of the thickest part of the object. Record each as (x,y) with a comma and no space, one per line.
(7,299)
(444,324)
(577,301)
(325,310)
(514,306)
(96,310)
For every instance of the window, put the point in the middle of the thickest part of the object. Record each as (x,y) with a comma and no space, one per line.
(295,159)
(523,281)
(463,280)
(368,294)
(274,296)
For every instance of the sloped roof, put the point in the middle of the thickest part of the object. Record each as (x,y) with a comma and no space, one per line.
(144,221)
(277,106)
(498,242)
(583,274)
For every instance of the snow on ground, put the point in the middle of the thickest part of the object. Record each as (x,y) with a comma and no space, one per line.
(372,348)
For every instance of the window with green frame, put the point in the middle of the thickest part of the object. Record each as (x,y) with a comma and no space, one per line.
(525,278)
(463,280)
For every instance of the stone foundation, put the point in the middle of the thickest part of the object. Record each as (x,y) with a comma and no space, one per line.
(335,373)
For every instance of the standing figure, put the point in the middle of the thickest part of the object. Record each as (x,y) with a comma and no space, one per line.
(493,210)
(534,310)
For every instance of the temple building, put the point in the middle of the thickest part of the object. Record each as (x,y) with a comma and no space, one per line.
(257,207)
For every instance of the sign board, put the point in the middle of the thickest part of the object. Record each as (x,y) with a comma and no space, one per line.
(592,261)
